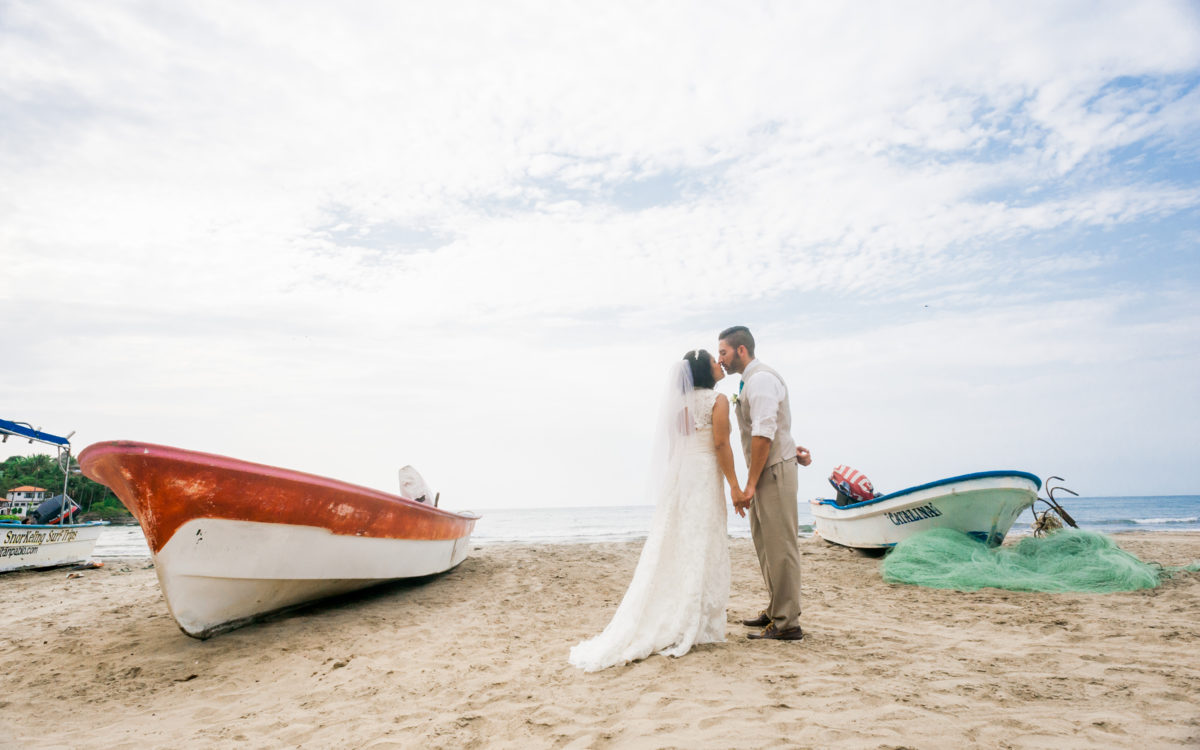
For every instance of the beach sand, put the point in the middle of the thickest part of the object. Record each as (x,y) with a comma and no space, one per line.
(477,658)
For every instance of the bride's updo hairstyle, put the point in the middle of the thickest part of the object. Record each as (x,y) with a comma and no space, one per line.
(701,364)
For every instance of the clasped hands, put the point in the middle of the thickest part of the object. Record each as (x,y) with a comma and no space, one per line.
(743,498)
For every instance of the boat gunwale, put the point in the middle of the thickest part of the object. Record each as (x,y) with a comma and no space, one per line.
(19,525)
(132,448)
(931,485)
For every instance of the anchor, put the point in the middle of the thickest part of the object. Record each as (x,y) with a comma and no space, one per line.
(1044,522)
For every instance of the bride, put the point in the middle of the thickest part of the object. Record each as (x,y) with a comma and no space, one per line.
(680,588)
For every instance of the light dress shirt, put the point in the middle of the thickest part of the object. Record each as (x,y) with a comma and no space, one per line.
(765,393)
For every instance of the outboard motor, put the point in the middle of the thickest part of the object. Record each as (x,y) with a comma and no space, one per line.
(55,510)
(852,486)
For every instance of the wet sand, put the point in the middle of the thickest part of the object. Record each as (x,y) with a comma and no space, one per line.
(477,658)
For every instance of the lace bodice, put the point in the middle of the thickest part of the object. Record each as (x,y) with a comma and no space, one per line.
(702,408)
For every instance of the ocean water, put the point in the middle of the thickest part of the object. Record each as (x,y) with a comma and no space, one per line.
(121,541)
(1110,515)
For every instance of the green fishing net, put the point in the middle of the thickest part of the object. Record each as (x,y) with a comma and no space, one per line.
(1067,560)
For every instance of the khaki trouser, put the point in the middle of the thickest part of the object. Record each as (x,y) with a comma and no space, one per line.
(774,526)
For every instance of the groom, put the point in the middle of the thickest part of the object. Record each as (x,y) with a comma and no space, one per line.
(765,419)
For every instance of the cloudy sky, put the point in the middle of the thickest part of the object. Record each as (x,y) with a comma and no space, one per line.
(473,237)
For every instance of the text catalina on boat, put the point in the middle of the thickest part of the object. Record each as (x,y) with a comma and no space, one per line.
(233,540)
(48,537)
(984,505)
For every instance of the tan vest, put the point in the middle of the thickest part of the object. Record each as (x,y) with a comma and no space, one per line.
(783,446)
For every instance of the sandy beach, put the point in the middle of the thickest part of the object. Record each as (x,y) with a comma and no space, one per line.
(477,658)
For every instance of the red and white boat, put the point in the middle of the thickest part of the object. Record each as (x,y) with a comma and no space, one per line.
(233,541)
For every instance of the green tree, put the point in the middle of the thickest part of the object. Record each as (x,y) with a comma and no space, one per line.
(43,471)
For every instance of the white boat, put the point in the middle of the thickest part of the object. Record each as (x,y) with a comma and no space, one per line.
(45,545)
(233,541)
(24,545)
(983,505)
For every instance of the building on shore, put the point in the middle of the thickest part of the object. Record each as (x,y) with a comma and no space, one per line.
(20,500)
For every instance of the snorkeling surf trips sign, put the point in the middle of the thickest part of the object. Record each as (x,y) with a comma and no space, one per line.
(20,542)
(44,546)
(909,515)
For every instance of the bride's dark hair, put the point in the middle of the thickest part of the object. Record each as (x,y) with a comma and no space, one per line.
(701,363)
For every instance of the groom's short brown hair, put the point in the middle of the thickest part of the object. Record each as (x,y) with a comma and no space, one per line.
(738,336)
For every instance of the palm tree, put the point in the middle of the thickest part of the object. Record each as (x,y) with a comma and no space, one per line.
(39,463)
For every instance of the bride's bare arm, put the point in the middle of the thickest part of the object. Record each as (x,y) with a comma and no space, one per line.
(720,431)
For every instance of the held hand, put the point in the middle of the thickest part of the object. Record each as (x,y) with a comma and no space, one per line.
(803,457)
(741,505)
(735,495)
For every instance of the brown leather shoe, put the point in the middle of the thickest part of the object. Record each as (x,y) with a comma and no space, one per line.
(758,622)
(770,632)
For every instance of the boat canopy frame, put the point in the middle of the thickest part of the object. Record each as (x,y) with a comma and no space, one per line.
(25,430)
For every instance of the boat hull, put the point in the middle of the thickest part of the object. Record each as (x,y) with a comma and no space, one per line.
(217,574)
(45,546)
(234,541)
(983,505)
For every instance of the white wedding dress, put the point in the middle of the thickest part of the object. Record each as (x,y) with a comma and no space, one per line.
(681,585)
